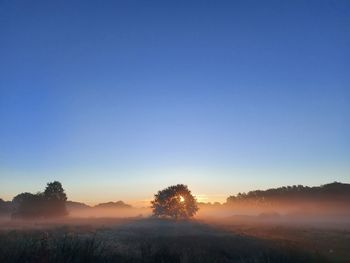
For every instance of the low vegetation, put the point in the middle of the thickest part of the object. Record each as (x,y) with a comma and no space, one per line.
(150,240)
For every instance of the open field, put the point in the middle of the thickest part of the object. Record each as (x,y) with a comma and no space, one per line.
(153,240)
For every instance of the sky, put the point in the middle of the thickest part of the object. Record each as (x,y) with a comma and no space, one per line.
(120,99)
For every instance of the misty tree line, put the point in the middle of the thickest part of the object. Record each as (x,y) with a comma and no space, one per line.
(175,201)
(329,192)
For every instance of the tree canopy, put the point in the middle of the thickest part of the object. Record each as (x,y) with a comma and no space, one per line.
(175,202)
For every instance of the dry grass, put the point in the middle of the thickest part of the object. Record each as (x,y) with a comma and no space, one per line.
(142,240)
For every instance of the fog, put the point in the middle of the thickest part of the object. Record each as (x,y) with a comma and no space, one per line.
(110,212)
(308,214)
(246,230)
(311,209)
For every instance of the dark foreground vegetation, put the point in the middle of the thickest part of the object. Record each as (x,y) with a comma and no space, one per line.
(147,240)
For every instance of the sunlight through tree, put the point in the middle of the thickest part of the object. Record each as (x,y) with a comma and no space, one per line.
(175,202)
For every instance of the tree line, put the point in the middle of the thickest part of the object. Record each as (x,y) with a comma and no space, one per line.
(329,192)
(174,201)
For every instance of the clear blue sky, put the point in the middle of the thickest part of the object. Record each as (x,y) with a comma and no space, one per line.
(117,99)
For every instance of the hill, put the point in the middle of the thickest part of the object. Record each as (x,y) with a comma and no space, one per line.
(71,205)
(118,204)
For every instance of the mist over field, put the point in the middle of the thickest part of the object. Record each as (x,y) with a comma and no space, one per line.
(249,227)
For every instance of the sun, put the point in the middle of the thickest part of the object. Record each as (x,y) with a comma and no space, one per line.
(182,199)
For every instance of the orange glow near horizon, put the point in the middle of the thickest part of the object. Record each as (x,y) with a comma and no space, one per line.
(201,198)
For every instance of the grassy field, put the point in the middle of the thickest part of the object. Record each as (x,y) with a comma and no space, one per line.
(152,240)
(329,239)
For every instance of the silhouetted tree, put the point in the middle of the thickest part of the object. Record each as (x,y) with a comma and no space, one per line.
(55,199)
(28,205)
(175,202)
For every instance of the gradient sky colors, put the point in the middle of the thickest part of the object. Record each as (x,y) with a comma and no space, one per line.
(118,99)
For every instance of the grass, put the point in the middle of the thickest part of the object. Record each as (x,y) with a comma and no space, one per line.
(144,240)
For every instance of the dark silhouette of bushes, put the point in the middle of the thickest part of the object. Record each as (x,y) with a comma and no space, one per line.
(50,203)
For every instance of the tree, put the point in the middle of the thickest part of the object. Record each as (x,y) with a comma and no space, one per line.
(175,202)
(27,205)
(55,199)
(55,191)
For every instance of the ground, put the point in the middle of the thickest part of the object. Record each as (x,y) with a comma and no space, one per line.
(154,240)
